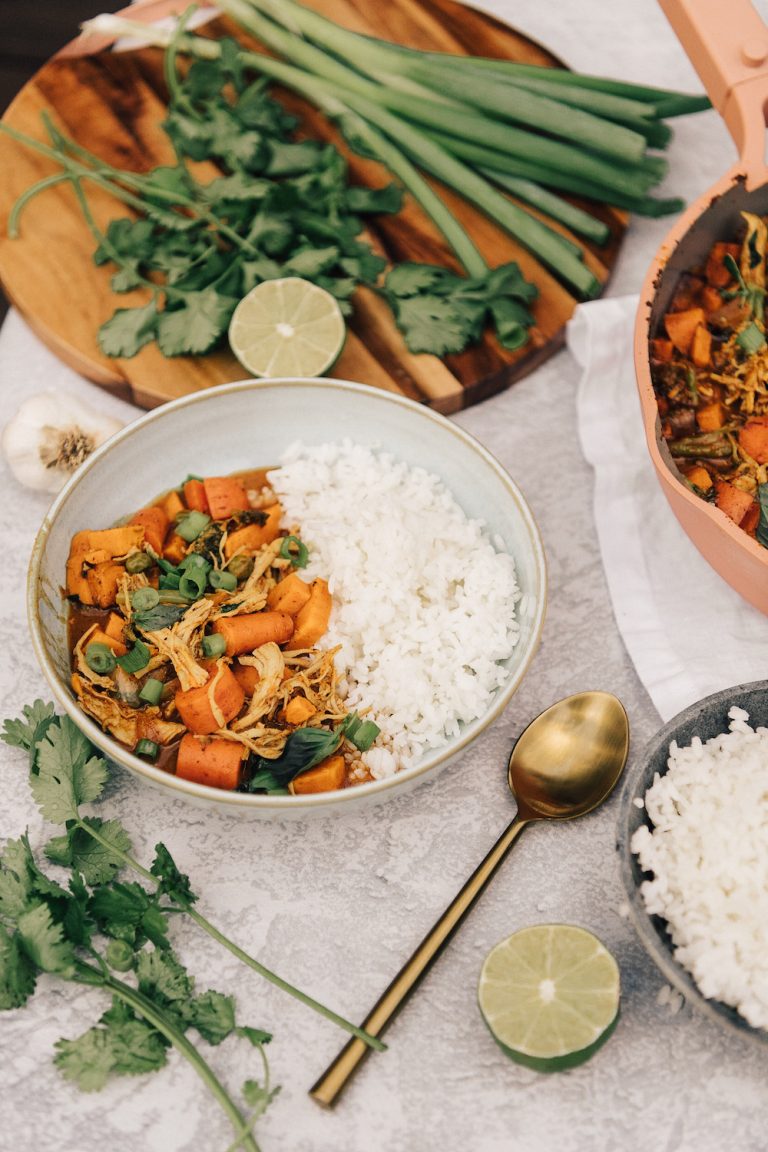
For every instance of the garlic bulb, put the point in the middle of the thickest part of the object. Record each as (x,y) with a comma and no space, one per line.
(50,435)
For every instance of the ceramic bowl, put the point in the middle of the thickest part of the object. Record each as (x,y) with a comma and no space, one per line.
(251,423)
(706,718)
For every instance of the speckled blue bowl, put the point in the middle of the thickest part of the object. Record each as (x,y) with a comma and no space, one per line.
(706,718)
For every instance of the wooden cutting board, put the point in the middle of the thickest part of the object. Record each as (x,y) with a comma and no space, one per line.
(113,104)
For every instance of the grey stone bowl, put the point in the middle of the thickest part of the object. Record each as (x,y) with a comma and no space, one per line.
(706,718)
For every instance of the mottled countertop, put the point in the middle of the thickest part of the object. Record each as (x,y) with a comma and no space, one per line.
(336,904)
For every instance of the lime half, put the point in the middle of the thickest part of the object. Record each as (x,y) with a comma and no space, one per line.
(550,995)
(287,327)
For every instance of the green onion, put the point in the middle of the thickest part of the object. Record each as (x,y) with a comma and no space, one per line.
(138,562)
(241,567)
(221,578)
(295,550)
(213,646)
(144,598)
(135,659)
(194,560)
(191,524)
(100,658)
(365,734)
(147,748)
(193,583)
(151,691)
(751,339)
(169,580)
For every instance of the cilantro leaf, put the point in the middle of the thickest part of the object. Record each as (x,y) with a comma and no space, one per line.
(17,973)
(117,1045)
(15,880)
(162,978)
(256,1036)
(213,1014)
(28,729)
(77,849)
(365,200)
(68,773)
(128,912)
(195,327)
(434,324)
(173,883)
(128,330)
(257,1097)
(44,941)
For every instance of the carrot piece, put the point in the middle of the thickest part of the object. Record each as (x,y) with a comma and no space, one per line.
(710,417)
(699,476)
(115,626)
(716,272)
(327,776)
(751,518)
(247,677)
(687,293)
(96,546)
(661,351)
(172,504)
(217,763)
(154,521)
(682,325)
(732,500)
(225,495)
(753,438)
(195,497)
(312,620)
(252,629)
(196,709)
(290,595)
(98,636)
(298,709)
(701,346)
(175,549)
(711,299)
(104,582)
(254,536)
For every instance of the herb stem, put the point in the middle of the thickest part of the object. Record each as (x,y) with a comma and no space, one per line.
(273,978)
(230,945)
(141,1004)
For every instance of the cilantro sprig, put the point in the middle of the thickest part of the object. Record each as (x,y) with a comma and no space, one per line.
(66,772)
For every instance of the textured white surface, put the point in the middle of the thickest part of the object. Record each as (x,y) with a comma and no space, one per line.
(338,904)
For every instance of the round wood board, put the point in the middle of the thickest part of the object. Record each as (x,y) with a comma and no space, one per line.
(113,104)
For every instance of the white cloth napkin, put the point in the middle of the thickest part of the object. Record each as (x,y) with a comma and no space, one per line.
(687,632)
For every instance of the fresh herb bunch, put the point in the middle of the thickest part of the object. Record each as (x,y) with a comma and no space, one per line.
(66,772)
(97,930)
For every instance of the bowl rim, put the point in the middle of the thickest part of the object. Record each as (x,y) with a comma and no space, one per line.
(651,928)
(333,801)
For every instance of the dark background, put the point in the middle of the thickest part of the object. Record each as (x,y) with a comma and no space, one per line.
(30,32)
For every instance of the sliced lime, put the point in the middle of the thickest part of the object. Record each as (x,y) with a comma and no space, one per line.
(287,327)
(550,995)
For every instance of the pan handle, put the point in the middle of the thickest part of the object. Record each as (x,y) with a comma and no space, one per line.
(727,43)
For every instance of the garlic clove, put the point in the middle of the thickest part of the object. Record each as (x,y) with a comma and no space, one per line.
(50,436)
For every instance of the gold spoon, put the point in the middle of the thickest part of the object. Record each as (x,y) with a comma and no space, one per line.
(565,763)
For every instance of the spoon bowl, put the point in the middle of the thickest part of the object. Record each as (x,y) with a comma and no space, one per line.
(549,773)
(565,763)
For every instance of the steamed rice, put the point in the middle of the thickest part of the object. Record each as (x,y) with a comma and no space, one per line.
(708,852)
(423,600)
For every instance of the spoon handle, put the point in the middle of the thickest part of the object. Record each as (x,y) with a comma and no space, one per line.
(330,1085)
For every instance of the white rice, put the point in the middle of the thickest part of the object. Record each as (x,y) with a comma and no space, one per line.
(423,601)
(708,851)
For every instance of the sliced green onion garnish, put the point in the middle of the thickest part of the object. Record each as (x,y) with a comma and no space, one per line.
(169,580)
(194,560)
(220,578)
(191,524)
(147,748)
(365,734)
(136,659)
(193,583)
(138,562)
(213,646)
(294,550)
(100,658)
(151,691)
(143,599)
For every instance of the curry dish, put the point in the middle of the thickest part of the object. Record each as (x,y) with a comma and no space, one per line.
(710,373)
(194,638)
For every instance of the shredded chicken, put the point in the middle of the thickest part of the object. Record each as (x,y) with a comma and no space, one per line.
(125,723)
(81,665)
(177,644)
(269,662)
(253,595)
